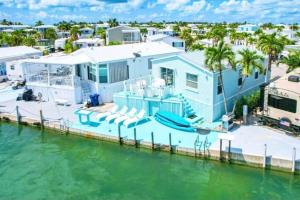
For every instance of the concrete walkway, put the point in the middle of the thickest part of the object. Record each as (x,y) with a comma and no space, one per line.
(251,140)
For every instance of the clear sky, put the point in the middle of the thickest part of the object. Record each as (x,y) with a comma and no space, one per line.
(51,11)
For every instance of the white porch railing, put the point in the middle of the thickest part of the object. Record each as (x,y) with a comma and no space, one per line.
(148,87)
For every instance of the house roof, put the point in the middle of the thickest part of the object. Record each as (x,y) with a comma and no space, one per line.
(197,58)
(284,83)
(61,59)
(109,53)
(126,51)
(10,52)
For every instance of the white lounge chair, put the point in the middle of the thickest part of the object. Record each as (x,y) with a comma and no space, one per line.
(130,114)
(112,117)
(134,120)
(102,116)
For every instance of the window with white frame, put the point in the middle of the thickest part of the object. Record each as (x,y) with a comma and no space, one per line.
(103,73)
(192,80)
(167,75)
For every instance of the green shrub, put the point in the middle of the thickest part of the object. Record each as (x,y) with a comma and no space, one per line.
(252,100)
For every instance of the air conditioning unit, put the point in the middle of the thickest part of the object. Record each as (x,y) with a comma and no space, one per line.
(294,78)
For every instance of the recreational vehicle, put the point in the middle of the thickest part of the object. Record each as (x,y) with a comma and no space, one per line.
(282,102)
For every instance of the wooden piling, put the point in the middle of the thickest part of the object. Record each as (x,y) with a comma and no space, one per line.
(41,119)
(134,134)
(265,157)
(221,142)
(229,151)
(119,134)
(152,140)
(18,115)
(294,160)
(170,141)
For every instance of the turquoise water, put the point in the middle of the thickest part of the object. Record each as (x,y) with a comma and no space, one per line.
(40,165)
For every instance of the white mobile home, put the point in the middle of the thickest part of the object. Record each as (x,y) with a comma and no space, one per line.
(89,42)
(123,34)
(99,70)
(170,40)
(12,54)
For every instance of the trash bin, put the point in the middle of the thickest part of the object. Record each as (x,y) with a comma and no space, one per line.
(94,99)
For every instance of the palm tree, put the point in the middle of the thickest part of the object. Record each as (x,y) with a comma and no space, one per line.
(50,34)
(39,23)
(250,61)
(113,22)
(214,56)
(217,33)
(74,32)
(271,46)
(187,37)
(292,60)
(298,35)
(29,41)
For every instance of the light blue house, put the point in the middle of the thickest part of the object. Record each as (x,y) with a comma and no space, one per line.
(248,28)
(182,84)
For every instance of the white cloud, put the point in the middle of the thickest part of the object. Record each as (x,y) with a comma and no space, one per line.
(171,5)
(195,7)
(258,10)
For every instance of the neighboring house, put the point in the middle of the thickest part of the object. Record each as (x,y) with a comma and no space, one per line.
(104,26)
(42,29)
(173,41)
(59,44)
(9,55)
(167,31)
(86,32)
(152,31)
(92,42)
(63,34)
(183,85)
(123,34)
(86,71)
(13,27)
(247,28)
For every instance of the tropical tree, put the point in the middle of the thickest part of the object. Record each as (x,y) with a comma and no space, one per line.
(214,57)
(102,33)
(217,33)
(298,35)
(113,22)
(39,23)
(50,34)
(29,41)
(197,47)
(69,47)
(187,37)
(294,27)
(292,60)
(74,33)
(250,62)
(176,29)
(270,45)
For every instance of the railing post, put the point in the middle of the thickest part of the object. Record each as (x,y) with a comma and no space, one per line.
(294,160)
(265,156)
(41,119)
